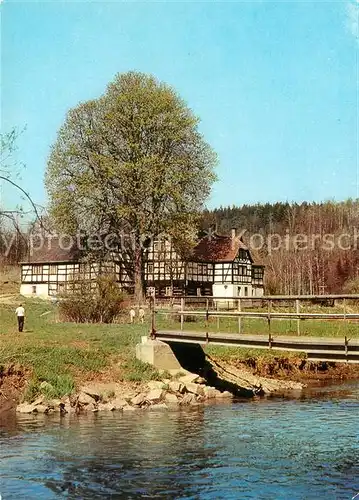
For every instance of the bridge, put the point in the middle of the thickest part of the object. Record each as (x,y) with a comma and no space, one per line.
(317,348)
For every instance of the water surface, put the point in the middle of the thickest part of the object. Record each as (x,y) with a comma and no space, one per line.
(276,448)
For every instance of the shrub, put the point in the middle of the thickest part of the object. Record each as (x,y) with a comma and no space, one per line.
(56,387)
(98,302)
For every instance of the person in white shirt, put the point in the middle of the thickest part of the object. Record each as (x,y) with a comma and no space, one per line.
(132,315)
(141,314)
(20,313)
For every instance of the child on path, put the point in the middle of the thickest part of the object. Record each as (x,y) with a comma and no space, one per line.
(20,313)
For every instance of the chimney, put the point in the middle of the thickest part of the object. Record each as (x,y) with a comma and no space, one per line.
(233,232)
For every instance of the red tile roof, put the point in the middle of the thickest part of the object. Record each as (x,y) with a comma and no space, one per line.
(212,248)
(215,248)
(52,249)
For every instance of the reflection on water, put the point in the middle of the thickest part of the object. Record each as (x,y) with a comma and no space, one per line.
(275,448)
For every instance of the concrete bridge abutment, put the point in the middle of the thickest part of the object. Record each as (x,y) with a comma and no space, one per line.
(171,355)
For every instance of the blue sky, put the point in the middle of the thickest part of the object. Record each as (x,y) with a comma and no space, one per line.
(274,83)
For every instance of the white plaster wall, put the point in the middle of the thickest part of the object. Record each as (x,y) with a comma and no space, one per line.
(221,290)
(231,290)
(258,291)
(41,290)
(242,291)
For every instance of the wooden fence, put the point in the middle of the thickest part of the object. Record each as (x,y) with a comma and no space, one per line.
(235,307)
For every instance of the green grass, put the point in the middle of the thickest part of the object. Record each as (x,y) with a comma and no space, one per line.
(314,328)
(66,354)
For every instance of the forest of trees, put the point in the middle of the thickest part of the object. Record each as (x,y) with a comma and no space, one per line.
(328,263)
(307,248)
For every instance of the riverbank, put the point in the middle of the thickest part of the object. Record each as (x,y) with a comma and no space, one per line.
(53,360)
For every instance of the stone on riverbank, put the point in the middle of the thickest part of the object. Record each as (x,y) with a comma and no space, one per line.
(171,398)
(176,386)
(188,399)
(119,403)
(191,378)
(155,395)
(210,392)
(25,408)
(194,388)
(139,400)
(156,384)
(128,408)
(85,399)
(189,389)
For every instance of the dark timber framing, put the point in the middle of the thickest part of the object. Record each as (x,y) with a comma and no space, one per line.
(215,261)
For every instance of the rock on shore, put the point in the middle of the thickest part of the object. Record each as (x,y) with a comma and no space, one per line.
(188,389)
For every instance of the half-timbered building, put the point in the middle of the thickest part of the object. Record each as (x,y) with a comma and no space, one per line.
(221,266)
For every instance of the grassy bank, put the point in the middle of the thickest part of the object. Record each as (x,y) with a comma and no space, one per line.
(65,355)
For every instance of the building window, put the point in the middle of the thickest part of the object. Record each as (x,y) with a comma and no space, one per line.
(36,269)
(168,291)
(33,289)
(246,291)
(53,269)
(239,290)
(242,254)
(257,273)
(150,268)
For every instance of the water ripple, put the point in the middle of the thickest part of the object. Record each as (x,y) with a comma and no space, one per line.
(307,448)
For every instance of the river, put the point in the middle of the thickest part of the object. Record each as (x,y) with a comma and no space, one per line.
(275,448)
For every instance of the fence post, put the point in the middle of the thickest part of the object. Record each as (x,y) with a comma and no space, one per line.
(181,312)
(345,309)
(297,309)
(269,324)
(239,317)
(269,318)
(153,320)
(346,322)
(207,316)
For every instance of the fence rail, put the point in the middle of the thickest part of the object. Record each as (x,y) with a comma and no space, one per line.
(235,308)
(354,296)
(317,349)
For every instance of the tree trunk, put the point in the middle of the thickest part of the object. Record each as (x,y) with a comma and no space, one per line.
(139,277)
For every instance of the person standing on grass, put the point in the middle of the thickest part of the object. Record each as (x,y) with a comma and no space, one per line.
(141,314)
(132,315)
(20,313)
